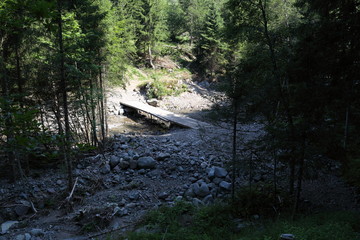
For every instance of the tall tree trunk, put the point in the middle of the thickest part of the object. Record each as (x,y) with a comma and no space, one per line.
(284,98)
(101,107)
(105,105)
(7,109)
(234,155)
(86,114)
(63,88)
(275,168)
(346,130)
(150,57)
(20,84)
(251,170)
(300,176)
(93,114)
(19,78)
(191,31)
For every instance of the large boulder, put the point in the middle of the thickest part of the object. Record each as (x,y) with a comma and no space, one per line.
(37,232)
(208,199)
(201,189)
(190,193)
(211,172)
(114,160)
(124,164)
(225,185)
(146,163)
(153,102)
(133,164)
(220,172)
(162,156)
(22,208)
(7,225)
(105,169)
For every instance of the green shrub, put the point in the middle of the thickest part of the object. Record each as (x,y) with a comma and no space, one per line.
(185,222)
(169,216)
(258,200)
(324,226)
(352,172)
(216,222)
(159,89)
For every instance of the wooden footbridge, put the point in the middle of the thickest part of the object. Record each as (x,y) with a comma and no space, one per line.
(165,115)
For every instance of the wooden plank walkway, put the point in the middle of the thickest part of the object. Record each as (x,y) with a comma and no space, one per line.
(166,115)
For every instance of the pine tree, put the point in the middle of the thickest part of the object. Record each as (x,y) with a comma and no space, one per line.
(17,117)
(152,29)
(261,30)
(210,48)
(176,22)
(120,27)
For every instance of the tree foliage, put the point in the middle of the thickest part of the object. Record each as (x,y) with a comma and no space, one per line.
(152,28)
(210,46)
(293,63)
(296,61)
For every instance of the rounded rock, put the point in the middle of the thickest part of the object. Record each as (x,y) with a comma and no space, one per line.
(146,162)
(220,172)
(124,164)
(20,237)
(114,160)
(225,185)
(37,232)
(201,189)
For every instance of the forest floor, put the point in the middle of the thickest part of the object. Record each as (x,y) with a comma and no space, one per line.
(143,168)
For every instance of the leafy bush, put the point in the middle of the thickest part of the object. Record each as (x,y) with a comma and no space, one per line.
(159,89)
(166,216)
(216,222)
(260,199)
(352,172)
(324,226)
(185,222)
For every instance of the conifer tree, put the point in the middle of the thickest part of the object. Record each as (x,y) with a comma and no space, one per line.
(211,47)
(176,22)
(120,26)
(153,29)
(264,41)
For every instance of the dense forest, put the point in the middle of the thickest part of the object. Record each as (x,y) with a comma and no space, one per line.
(294,64)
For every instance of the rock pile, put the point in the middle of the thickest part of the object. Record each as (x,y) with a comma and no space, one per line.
(136,174)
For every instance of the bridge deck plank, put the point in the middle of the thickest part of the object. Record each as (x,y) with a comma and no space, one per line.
(166,115)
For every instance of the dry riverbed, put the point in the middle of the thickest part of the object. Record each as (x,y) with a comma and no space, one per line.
(144,167)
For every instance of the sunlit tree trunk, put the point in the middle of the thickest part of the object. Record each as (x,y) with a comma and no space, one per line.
(101,100)
(93,114)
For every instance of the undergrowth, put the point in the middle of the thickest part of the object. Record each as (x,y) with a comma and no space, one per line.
(158,89)
(352,172)
(216,222)
(164,83)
